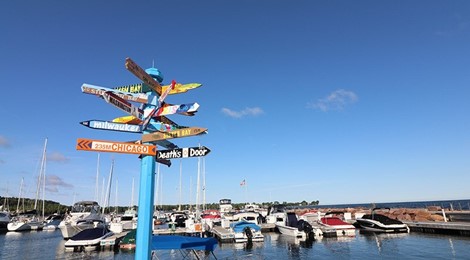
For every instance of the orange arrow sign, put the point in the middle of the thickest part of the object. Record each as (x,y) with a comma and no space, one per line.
(115,147)
(157,136)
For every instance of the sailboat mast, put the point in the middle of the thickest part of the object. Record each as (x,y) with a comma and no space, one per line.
(132,194)
(44,180)
(198,184)
(19,196)
(157,187)
(181,177)
(203,184)
(38,188)
(97,179)
(116,197)
(108,189)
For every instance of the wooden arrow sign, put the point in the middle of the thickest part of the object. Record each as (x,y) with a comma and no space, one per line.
(183,152)
(115,147)
(190,131)
(142,75)
(99,91)
(122,104)
(112,126)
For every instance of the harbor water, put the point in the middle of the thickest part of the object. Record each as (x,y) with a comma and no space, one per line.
(50,245)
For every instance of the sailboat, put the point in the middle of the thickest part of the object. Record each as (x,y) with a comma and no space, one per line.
(29,220)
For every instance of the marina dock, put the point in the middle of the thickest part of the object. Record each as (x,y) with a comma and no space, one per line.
(449,228)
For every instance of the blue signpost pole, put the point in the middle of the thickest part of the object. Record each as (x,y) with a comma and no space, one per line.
(145,212)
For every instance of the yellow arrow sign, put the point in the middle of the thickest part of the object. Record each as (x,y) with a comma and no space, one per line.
(157,136)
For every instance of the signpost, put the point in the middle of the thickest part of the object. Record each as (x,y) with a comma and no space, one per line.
(150,115)
(115,147)
(183,153)
(184,132)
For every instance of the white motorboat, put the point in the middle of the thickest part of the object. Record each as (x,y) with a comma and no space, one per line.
(87,239)
(375,222)
(84,215)
(129,219)
(331,220)
(25,222)
(52,222)
(4,220)
(276,214)
(298,228)
(245,231)
(252,217)
(225,206)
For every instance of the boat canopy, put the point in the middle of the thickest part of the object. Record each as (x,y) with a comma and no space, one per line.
(165,242)
(240,226)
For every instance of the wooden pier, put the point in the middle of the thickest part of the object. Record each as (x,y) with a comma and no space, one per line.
(223,235)
(450,228)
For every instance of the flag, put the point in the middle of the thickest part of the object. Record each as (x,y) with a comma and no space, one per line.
(243,183)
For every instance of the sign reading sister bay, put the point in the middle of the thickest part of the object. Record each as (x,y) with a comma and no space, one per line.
(115,147)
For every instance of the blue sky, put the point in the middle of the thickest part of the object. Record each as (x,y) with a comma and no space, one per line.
(336,101)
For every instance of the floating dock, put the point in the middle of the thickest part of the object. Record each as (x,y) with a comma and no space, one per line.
(224,235)
(449,228)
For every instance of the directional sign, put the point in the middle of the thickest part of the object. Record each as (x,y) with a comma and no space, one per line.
(115,147)
(106,125)
(143,88)
(99,91)
(165,93)
(122,104)
(128,120)
(156,136)
(142,75)
(183,152)
(183,109)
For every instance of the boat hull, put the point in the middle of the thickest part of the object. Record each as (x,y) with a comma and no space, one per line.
(370,225)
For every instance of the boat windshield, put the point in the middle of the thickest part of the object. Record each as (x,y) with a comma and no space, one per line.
(225,201)
(86,207)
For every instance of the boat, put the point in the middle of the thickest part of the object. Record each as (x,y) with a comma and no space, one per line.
(276,214)
(298,228)
(252,217)
(87,239)
(5,218)
(52,222)
(245,231)
(128,242)
(376,222)
(338,225)
(26,221)
(178,218)
(84,215)
(129,219)
(225,206)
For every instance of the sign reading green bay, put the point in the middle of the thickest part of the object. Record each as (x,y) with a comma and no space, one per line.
(183,152)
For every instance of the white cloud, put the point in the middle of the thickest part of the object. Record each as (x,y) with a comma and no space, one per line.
(249,111)
(4,142)
(57,157)
(54,181)
(337,100)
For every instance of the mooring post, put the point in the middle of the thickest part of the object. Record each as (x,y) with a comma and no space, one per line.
(145,212)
